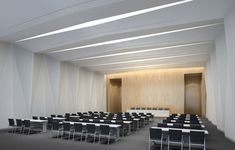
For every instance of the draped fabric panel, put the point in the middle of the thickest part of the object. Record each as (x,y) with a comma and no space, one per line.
(229,22)
(92,89)
(68,88)
(45,85)
(6,84)
(22,63)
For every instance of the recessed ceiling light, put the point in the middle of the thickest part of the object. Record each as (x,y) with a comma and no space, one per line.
(105,20)
(135,38)
(143,50)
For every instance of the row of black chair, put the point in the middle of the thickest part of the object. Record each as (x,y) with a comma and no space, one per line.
(181,126)
(175,137)
(68,131)
(20,126)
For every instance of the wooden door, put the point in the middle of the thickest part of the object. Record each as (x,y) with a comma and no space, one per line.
(193,93)
(114,95)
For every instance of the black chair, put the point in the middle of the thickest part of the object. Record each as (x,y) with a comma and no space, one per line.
(35,117)
(155,136)
(175,137)
(60,116)
(162,125)
(197,139)
(42,118)
(27,126)
(53,116)
(49,123)
(90,131)
(19,125)
(123,128)
(66,130)
(105,132)
(196,126)
(78,130)
(56,128)
(12,124)
(177,125)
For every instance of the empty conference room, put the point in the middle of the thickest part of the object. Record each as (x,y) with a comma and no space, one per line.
(117,74)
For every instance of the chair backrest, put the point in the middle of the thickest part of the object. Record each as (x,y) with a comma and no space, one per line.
(66,126)
(155,134)
(196,126)
(78,127)
(177,125)
(197,137)
(42,118)
(60,116)
(18,122)
(50,120)
(104,129)
(55,125)
(27,123)
(11,122)
(67,115)
(53,116)
(175,135)
(35,117)
(90,128)
(162,125)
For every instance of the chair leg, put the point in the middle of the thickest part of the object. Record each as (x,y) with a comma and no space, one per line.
(94,138)
(29,131)
(149,144)
(99,139)
(81,137)
(168,144)
(73,135)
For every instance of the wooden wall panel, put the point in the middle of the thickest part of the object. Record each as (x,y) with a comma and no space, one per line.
(154,88)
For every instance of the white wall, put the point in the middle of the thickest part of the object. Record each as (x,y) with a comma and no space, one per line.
(220,79)
(35,84)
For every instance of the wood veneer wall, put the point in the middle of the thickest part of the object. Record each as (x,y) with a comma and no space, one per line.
(154,88)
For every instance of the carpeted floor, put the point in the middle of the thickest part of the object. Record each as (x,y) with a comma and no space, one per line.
(136,141)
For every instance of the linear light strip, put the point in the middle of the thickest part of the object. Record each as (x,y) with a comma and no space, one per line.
(143,51)
(105,20)
(147,59)
(139,67)
(135,38)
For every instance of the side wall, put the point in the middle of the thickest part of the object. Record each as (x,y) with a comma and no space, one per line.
(220,79)
(35,84)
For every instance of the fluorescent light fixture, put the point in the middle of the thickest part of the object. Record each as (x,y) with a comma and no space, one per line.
(105,20)
(147,59)
(142,51)
(135,38)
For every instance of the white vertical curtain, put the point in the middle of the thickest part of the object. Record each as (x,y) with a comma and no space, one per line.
(220,81)
(6,84)
(68,88)
(92,89)
(45,85)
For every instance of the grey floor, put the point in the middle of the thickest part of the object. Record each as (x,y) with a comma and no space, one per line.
(136,141)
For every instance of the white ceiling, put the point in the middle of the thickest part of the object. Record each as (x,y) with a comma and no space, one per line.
(189,47)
